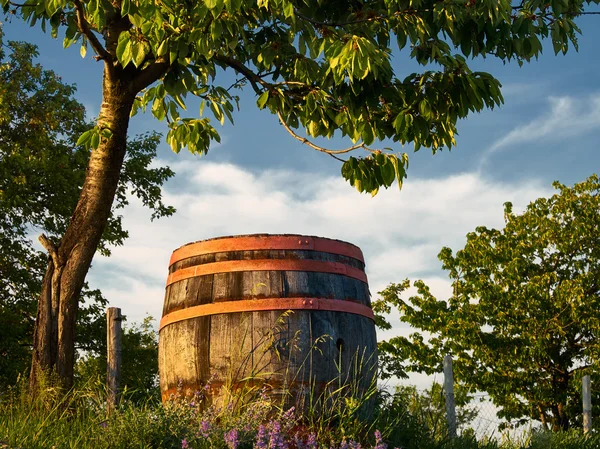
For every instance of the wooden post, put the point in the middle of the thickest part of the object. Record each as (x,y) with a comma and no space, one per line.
(449,391)
(587,404)
(113,356)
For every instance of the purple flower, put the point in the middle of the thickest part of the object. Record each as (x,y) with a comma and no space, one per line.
(209,382)
(204,428)
(231,439)
(298,441)
(344,444)
(276,440)
(379,444)
(311,442)
(261,438)
(104,424)
(185,444)
(289,415)
(354,445)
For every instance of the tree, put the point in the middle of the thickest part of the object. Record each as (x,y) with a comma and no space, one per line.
(41,174)
(321,65)
(523,323)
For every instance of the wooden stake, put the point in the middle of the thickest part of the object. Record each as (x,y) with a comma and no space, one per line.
(587,404)
(113,356)
(449,391)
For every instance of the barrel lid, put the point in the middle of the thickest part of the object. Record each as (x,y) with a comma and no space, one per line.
(251,242)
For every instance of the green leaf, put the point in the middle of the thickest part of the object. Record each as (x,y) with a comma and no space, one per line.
(217,112)
(139,52)
(85,137)
(94,139)
(262,100)
(124,48)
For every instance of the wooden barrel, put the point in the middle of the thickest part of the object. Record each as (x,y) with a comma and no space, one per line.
(290,311)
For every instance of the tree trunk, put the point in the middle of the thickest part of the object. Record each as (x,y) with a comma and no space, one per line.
(54,337)
(45,336)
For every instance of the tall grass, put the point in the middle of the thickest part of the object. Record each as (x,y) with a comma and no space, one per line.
(350,412)
(78,420)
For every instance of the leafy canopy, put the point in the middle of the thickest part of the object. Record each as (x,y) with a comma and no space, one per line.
(41,174)
(523,323)
(321,66)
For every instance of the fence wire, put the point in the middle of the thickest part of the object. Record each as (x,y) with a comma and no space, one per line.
(477,416)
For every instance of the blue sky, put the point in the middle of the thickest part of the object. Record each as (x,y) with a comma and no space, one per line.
(260,180)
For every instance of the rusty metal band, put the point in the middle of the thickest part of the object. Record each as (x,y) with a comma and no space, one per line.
(267,304)
(229,266)
(254,243)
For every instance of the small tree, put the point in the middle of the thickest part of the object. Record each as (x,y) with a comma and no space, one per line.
(523,323)
(319,65)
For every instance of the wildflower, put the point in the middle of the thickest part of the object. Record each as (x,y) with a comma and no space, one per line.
(298,443)
(343,444)
(311,442)
(276,439)
(185,444)
(261,438)
(231,439)
(204,428)
(289,415)
(379,444)
(209,382)
(104,424)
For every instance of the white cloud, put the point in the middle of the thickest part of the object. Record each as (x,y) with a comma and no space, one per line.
(400,233)
(566,117)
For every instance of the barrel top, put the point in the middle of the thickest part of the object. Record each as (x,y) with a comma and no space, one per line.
(252,242)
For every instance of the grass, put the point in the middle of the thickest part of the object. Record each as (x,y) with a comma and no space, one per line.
(349,414)
(78,420)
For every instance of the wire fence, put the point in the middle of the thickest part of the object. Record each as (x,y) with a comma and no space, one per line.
(485,422)
(465,413)
(476,414)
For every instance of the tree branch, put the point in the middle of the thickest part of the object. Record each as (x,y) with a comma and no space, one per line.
(254,78)
(85,29)
(50,247)
(337,24)
(316,147)
(22,5)
(150,74)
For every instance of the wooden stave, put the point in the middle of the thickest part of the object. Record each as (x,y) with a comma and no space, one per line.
(231,286)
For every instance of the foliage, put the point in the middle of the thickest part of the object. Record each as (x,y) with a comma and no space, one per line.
(522,324)
(429,408)
(79,420)
(41,174)
(321,66)
(139,353)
